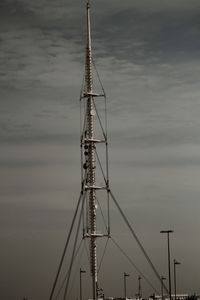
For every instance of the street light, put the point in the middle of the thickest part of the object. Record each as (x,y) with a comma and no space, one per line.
(169,270)
(175,264)
(162,279)
(139,287)
(81,272)
(125,275)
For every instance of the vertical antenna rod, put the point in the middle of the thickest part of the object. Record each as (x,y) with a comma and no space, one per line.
(91,157)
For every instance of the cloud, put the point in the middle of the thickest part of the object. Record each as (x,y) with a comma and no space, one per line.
(147,54)
(152,37)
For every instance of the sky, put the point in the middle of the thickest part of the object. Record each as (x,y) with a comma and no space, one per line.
(148,56)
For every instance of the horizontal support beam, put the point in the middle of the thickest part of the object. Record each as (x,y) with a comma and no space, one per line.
(96,235)
(91,94)
(94,187)
(94,141)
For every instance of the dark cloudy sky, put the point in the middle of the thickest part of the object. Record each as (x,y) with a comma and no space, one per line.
(148,55)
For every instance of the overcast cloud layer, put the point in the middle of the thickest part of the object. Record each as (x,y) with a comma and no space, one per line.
(147,53)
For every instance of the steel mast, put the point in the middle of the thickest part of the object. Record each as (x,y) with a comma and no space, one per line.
(89,143)
(94,169)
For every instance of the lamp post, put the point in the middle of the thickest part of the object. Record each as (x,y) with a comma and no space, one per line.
(81,272)
(125,275)
(139,287)
(175,264)
(162,279)
(169,270)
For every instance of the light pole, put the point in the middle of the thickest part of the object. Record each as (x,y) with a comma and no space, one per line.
(125,275)
(169,270)
(81,272)
(139,287)
(175,263)
(162,279)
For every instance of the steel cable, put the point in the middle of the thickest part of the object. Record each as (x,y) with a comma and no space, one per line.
(137,240)
(63,282)
(132,263)
(66,246)
(74,249)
